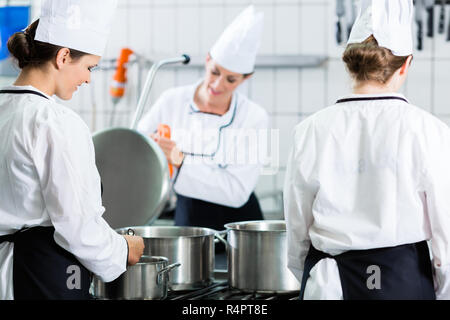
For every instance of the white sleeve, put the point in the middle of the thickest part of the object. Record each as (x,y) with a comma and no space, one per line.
(298,195)
(227,184)
(63,153)
(437,192)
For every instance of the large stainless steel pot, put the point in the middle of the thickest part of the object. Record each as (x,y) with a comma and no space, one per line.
(257,257)
(193,247)
(146,280)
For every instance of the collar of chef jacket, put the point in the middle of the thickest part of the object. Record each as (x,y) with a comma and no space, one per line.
(205,141)
(358,97)
(31,88)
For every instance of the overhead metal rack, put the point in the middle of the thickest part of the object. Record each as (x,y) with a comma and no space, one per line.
(270,61)
(263,61)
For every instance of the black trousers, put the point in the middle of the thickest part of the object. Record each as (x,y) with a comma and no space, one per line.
(198,213)
(404,272)
(43,270)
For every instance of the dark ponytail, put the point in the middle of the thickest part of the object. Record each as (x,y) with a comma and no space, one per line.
(31,53)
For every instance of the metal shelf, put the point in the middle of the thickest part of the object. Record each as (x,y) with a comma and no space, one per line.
(263,61)
(269,61)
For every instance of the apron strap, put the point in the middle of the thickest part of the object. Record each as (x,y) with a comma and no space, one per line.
(11,237)
(7,238)
(311,260)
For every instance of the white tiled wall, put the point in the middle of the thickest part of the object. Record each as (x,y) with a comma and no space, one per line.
(166,28)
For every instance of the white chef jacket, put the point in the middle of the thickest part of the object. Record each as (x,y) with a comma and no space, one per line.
(48,177)
(363,175)
(222,163)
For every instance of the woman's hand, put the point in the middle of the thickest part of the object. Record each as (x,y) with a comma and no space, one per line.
(169,147)
(135,248)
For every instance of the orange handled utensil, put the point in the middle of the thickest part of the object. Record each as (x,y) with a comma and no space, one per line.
(164,131)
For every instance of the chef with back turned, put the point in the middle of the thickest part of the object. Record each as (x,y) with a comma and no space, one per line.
(368,179)
(52,234)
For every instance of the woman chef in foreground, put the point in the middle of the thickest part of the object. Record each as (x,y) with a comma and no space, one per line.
(213,187)
(368,178)
(52,234)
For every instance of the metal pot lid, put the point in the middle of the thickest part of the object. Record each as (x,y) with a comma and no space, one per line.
(167,232)
(258,226)
(134,175)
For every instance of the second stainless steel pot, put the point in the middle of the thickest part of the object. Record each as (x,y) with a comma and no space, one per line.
(257,257)
(193,247)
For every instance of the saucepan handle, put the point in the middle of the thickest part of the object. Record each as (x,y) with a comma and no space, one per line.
(160,276)
(168,268)
(219,236)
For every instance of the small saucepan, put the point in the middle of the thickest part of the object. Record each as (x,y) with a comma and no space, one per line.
(146,280)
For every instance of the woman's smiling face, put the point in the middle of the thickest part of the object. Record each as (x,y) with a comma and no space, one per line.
(220,83)
(73,73)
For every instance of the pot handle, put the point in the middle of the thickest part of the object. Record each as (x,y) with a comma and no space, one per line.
(168,268)
(219,237)
(160,278)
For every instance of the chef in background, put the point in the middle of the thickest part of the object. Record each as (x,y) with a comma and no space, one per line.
(367,183)
(206,118)
(52,234)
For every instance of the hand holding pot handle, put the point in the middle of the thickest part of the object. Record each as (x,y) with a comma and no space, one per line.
(135,248)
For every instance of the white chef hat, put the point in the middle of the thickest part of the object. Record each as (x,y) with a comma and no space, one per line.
(236,48)
(390,22)
(81,25)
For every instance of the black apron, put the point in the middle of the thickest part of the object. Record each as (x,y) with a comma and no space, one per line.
(41,268)
(199,213)
(404,272)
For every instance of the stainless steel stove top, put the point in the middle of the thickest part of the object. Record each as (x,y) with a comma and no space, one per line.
(221,291)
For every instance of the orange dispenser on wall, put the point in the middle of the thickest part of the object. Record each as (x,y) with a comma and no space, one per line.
(117,88)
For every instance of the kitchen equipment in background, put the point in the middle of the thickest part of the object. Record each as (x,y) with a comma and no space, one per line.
(147,280)
(424,17)
(441,25)
(418,14)
(221,291)
(340,13)
(133,169)
(429,7)
(134,175)
(185,59)
(117,88)
(164,131)
(193,247)
(257,257)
